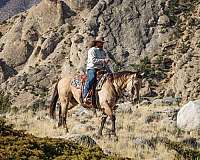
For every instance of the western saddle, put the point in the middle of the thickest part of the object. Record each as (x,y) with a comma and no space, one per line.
(92,97)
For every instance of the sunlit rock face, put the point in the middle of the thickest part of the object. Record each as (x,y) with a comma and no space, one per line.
(9,8)
(83,4)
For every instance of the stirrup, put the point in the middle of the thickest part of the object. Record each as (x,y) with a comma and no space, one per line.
(87,100)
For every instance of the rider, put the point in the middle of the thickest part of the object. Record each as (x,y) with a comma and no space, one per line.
(97,59)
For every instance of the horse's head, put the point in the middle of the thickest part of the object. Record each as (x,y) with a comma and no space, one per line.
(130,82)
(133,86)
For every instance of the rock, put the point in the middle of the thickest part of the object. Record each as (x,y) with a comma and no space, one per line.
(188,117)
(6,70)
(84,140)
(25,27)
(81,128)
(78,38)
(157,102)
(139,141)
(125,108)
(146,90)
(145,102)
(186,35)
(11,8)
(193,142)
(167,62)
(82,4)
(169,101)
(153,117)
(163,20)
(66,28)
(82,111)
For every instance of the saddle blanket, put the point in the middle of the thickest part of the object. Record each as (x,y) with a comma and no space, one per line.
(76,82)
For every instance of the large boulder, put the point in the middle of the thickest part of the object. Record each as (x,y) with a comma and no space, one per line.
(83,140)
(27,29)
(188,117)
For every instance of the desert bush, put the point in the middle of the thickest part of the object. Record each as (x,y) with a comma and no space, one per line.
(117,67)
(149,71)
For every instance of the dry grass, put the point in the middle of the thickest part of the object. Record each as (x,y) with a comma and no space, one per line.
(140,132)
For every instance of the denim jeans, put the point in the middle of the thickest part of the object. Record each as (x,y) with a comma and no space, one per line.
(91,77)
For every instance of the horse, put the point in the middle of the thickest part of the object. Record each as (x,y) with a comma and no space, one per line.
(112,89)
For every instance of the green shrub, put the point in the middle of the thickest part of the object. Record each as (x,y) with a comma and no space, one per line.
(117,67)
(145,60)
(18,145)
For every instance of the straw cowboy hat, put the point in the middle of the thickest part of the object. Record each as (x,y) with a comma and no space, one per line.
(99,39)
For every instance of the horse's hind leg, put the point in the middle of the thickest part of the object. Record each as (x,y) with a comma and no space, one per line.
(59,121)
(63,114)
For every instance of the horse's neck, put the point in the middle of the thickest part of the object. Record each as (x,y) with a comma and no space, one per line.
(120,84)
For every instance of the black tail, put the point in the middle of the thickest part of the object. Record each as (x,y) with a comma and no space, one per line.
(54,100)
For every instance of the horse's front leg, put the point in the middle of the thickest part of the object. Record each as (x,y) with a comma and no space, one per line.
(108,111)
(103,120)
(113,130)
(135,92)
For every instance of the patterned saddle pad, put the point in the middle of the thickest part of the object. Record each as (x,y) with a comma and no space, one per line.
(76,81)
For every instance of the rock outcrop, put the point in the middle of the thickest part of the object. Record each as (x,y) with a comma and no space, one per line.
(52,38)
(185,71)
(83,140)
(188,117)
(9,8)
(82,4)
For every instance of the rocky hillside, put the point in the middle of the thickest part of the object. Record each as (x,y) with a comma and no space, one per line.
(9,8)
(159,38)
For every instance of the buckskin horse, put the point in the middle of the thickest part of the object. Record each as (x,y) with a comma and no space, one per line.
(112,88)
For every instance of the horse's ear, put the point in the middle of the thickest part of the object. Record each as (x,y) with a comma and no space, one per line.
(138,75)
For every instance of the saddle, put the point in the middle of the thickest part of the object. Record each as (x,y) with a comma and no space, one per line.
(79,83)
